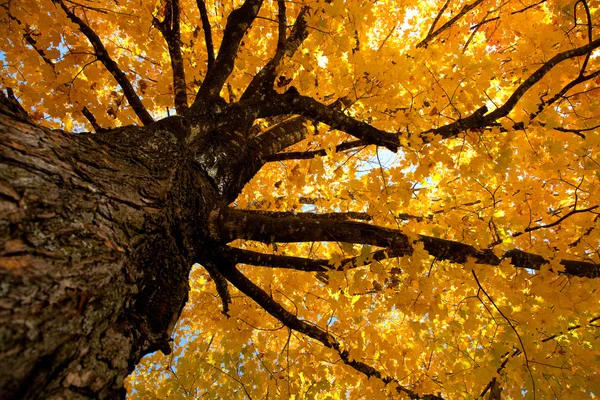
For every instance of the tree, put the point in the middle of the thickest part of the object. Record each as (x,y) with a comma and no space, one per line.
(352,198)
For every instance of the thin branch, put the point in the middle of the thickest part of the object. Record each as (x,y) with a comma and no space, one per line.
(572,328)
(435,21)
(589,30)
(238,23)
(111,66)
(528,7)
(561,93)
(537,76)
(250,289)
(479,119)
(557,222)
(33,43)
(512,327)
(170,29)
(431,35)
(29,38)
(210,49)
(229,224)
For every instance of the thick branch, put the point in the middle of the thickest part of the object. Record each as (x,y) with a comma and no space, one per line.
(238,23)
(10,103)
(170,29)
(92,119)
(282,26)
(230,224)
(333,216)
(305,155)
(263,81)
(250,257)
(293,103)
(250,289)
(220,284)
(210,49)
(282,136)
(111,66)
(241,256)
(290,132)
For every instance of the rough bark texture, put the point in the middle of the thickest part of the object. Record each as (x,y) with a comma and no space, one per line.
(94,265)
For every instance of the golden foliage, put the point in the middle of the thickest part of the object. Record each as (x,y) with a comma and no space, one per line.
(530,180)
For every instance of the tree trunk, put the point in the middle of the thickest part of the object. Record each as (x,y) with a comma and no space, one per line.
(96,244)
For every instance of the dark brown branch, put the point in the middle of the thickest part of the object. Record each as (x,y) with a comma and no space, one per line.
(33,43)
(557,222)
(210,49)
(230,224)
(528,7)
(237,256)
(333,216)
(241,256)
(282,26)
(29,38)
(264,80)
(572,328)
(512,326)
(92,119)
(288,132)
(577,131)
(9,102)
(479,119)
(434,23)
(220,284)
(431,35)
(305,155)
(589,31)
(170,29)
(111,66)
(282,136)
(250,289)
(494,388)
(560,94)
(293,103)
(406,216)
(537,76)
(238,23)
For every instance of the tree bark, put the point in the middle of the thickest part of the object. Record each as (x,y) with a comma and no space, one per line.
(92,274)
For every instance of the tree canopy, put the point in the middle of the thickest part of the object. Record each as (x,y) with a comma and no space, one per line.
(438,163)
